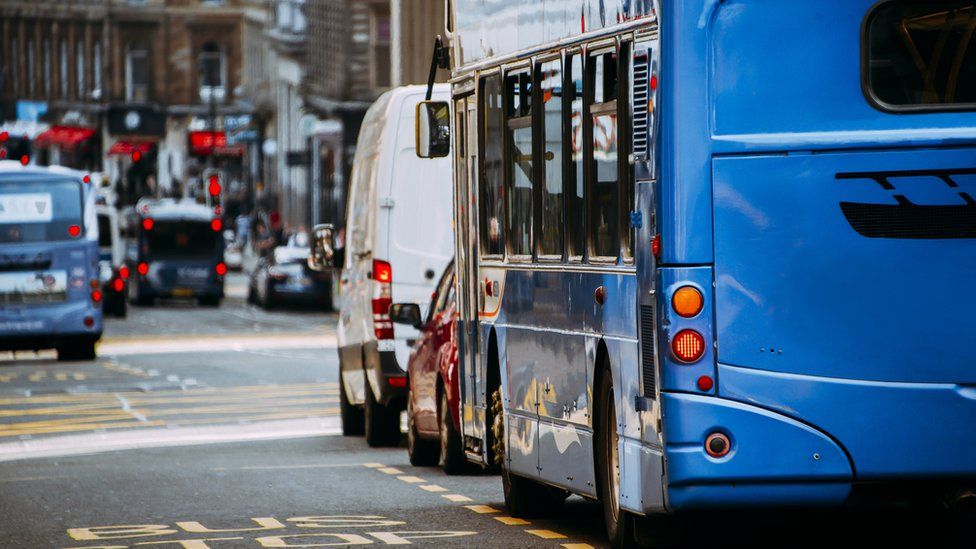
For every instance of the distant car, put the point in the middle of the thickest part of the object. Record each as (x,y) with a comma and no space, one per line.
(433,420)
(112,271)
(284,278)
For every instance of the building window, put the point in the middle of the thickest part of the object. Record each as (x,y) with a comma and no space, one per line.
(97,70)
(213,85)
(380,47)
(81,78)
(63,69)
(137,73)
(31,69)
(289,16)
(46,61)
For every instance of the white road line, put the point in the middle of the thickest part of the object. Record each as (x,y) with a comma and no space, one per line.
(128,409)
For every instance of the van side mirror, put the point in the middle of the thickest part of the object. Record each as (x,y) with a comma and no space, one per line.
(433,129)
(406,313)
(321,255)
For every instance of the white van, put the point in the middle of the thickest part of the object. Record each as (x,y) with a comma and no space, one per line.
(399,238)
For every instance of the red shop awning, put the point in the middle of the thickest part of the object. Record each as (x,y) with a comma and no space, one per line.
(126,148)
(65,137)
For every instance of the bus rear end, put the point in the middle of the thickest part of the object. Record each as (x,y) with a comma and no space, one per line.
(50,294)
(842,281)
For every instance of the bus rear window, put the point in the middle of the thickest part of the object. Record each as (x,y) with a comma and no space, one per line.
(921,55)
(32,212)
(181,240)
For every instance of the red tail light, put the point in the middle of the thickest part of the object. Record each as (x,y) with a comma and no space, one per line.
(25,160)
(143,269)
(216,224)
(148,224)
(86,179)
(118,285)
(382,299)
(688,346)
(397,382)
(74,231)
(96,296)
(124,272)
(221,268)
(656,246)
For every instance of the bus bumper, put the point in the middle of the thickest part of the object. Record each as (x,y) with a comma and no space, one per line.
(48,326)
(774,460)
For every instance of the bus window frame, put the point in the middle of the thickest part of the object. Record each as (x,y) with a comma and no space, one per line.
(482,130)
(574,256)
(539,138)
(590,108)
(625,143)
(865,69)
(510,125)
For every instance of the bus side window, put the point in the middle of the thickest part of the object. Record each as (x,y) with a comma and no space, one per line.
(519,189)
(604,172)
(551,241)
(492,179)
(576,175)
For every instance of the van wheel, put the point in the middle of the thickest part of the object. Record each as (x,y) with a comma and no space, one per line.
(423,453)
(524,498)
(452,449)
(352,416)
(382,422)
(619,523)
(77,351)
(136,296)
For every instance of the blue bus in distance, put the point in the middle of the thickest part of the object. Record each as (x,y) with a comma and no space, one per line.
(50,292)
(716,254)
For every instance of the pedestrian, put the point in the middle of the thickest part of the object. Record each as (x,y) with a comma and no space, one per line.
(264,242)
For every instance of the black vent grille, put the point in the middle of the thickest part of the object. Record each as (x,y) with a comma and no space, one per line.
(642,70)
(648,362)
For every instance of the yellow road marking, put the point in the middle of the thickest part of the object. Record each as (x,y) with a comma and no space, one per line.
(412,480)
(577,546)
(482,509)
(390,470)
(276,467)
(546,534)
(373,465)
(433,488)
(512,521)
(457,498)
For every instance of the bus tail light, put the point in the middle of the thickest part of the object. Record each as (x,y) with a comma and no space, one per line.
(688,346)
(718,445)
(687,302)
(656,247)
(74,231)
(148,224)
(221,268)
(382,299)
(96,296)
(124,272)
(143,268)
(216,224)
(118,285)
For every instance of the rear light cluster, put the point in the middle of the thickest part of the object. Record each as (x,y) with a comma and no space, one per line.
(148,224)
(96,293)
(143,268)
(221,268)
(688,345)
(216,224)
(382,299)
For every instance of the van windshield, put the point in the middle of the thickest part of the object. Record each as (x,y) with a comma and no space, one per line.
(42,211)
(181,240)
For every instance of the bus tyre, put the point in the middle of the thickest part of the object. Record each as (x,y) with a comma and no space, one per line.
(423,453)
(77,351)
(352,416)
(451,448)
(524,498)
(619,523)
(382,422)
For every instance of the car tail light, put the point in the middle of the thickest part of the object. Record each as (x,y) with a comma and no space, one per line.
(74,231)
(397,382)
(148,224)
(25,160)
(688,346)
(382,299)
(216,224)
(687,302)
(118,285)
(86,179)
(143,268)
(124,272)
(221,268)
(280,276)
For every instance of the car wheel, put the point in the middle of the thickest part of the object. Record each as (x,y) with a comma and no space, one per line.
(423,453)
(523,497)
(268,302)
(209,301)
(252,297)
(352,416)
(77,351)
(452,448)
(382,422)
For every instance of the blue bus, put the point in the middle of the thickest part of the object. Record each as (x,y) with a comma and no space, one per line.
(50,292)
(715,254)
(176,251)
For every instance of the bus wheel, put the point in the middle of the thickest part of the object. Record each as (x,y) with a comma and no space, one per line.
(452,450)
(619,523)
(382,422)
(77,351)
(523,497)
(423,453)
(352,416)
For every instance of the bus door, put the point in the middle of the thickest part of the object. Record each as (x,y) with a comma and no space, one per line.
(471,378)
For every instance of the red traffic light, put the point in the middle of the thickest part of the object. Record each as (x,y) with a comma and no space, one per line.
(214,188)
(136,156)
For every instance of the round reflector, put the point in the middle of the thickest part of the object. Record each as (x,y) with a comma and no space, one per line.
(688,346)
(705,384)
(687,302)
(718,445)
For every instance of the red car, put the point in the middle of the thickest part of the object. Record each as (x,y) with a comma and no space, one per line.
(433,434)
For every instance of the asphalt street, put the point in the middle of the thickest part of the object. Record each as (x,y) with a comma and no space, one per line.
(201,427)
